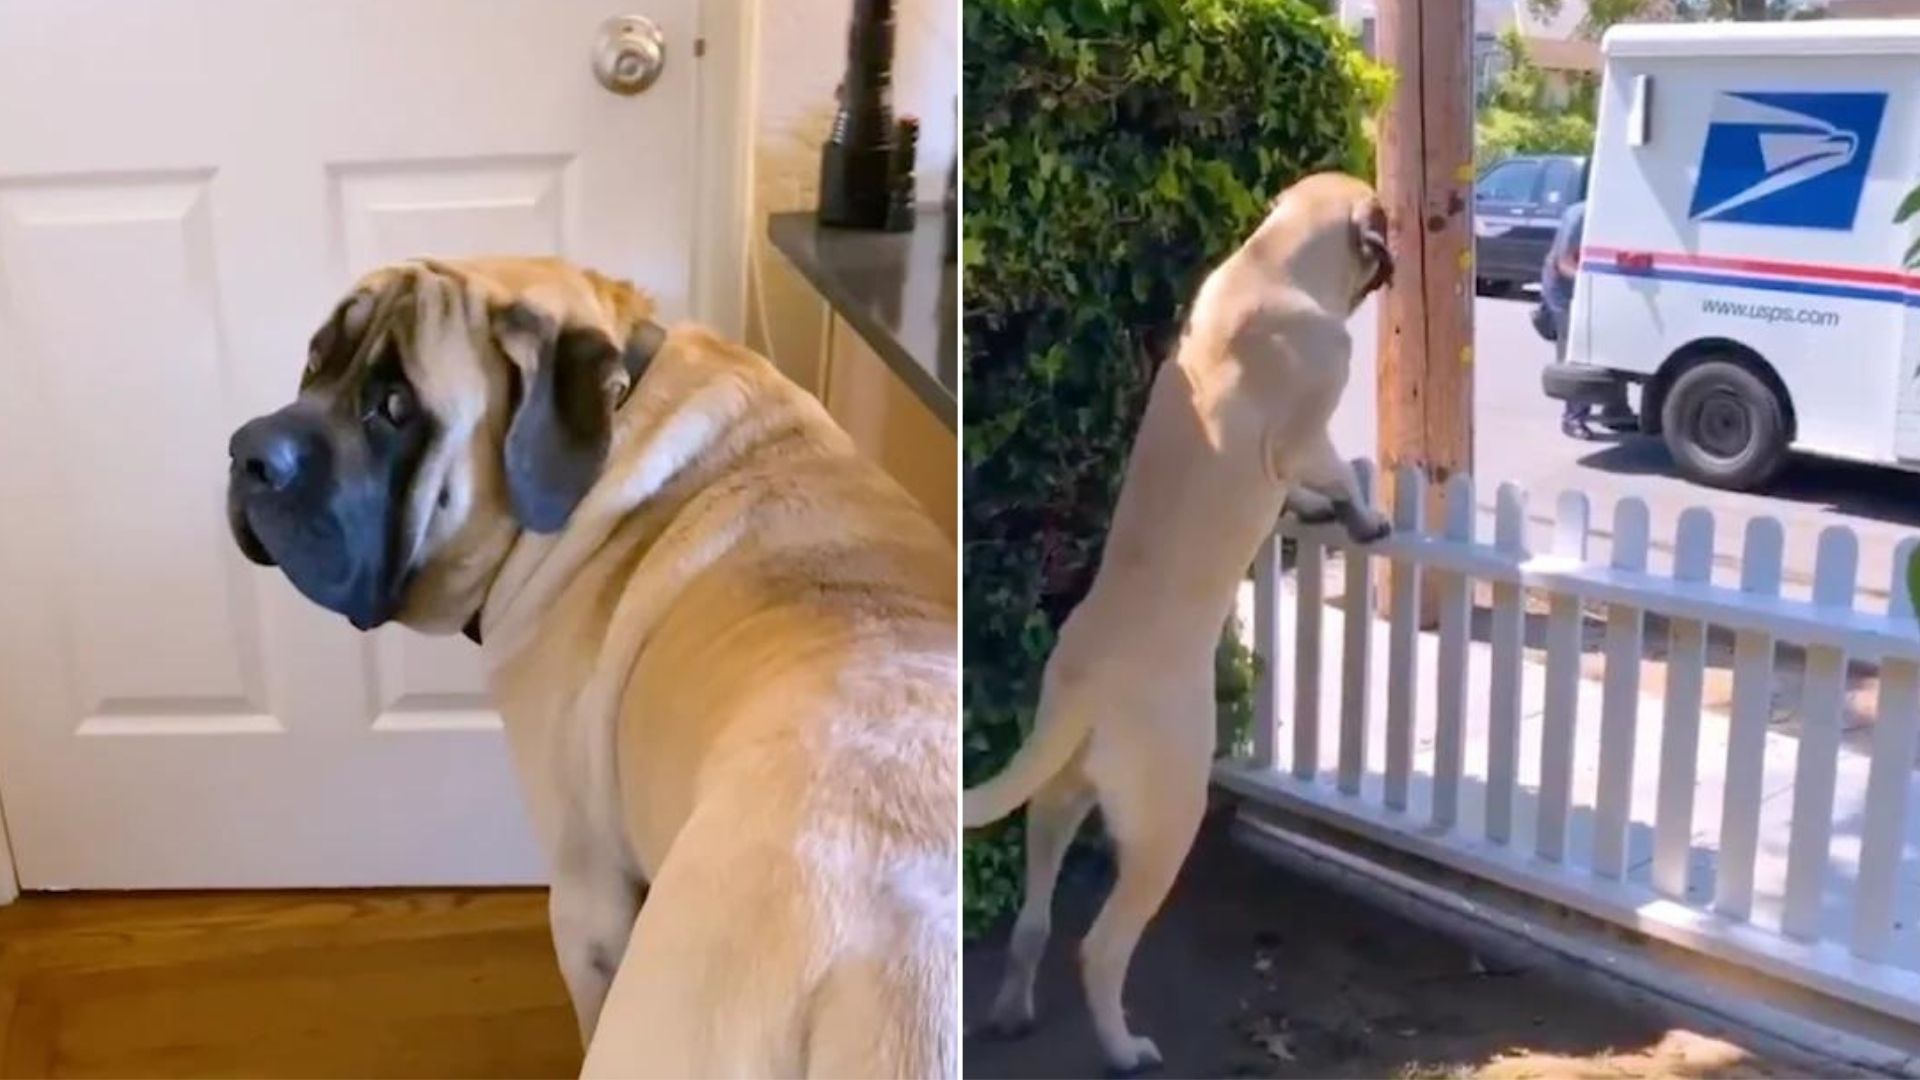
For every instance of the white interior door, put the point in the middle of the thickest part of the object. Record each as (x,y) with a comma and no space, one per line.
(185,189)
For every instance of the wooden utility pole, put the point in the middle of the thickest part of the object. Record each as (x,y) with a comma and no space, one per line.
(1425,388)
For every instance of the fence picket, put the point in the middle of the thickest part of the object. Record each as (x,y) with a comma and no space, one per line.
(1620,697)
(1830,627)
(1563,685)
(1266,645)
(1309,587)
(1883,835)
(1509,637)
(1680,729)
(1816,766)
(1403,636)
(1747,733)
(1450,682)
(1356,652)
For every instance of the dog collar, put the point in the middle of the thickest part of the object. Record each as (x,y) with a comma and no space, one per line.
(643,344)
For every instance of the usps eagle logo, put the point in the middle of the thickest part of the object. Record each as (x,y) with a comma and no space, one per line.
(1796,160)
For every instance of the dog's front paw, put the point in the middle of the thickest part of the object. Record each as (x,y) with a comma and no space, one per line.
(1370,531)
(1364,525)
(1140,1058)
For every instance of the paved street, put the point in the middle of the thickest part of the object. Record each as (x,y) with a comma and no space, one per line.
(1517,437)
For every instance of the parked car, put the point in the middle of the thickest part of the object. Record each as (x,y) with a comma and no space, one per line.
(1517,204)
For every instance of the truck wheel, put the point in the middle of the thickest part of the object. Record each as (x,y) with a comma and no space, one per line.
(1725,426)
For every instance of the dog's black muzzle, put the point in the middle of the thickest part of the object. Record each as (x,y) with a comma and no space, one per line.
(302,496)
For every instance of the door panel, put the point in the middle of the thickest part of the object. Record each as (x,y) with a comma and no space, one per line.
(145,527)
(454,208)
(182,200)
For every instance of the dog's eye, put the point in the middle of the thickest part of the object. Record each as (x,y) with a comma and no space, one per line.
(397,406)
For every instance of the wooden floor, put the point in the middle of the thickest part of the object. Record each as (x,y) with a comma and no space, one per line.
(314,984)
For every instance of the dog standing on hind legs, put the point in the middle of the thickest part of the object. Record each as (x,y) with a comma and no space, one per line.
(1235,431)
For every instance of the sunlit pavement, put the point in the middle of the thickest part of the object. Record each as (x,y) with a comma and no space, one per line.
(1517,437)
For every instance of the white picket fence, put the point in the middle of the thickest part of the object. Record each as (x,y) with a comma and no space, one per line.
(1701,829)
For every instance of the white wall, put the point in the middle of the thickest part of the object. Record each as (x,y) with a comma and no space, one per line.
(803,53)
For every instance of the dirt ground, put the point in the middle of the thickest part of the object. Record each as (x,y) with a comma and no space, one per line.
(1252,971)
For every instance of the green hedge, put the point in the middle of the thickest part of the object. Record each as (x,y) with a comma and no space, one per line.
(1114,149)
(1502,133)
(1520,116)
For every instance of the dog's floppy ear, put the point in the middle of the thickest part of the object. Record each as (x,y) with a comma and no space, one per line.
(569,378)
(1369,226)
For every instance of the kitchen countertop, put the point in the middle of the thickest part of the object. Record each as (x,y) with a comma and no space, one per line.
(897,290)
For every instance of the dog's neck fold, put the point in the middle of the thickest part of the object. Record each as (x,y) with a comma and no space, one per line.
(669,422)
(644,342)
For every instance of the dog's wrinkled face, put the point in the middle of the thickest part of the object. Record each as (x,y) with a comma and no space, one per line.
(441,413)
(318,488)
(1328,233)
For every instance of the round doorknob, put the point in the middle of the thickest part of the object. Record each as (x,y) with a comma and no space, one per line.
(629,53)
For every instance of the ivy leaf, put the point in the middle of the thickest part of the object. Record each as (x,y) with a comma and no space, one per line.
(1167,185)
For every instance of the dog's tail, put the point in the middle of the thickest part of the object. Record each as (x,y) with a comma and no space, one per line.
(1055,738)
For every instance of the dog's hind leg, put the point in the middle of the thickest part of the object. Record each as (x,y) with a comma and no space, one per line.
(1152,798)
(591,907)
(889,1017)
(1054,815)
(713,981)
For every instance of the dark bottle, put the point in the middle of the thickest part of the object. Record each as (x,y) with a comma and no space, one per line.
(866,166)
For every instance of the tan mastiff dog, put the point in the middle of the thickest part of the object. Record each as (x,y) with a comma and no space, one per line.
(723,645)
(1235,428)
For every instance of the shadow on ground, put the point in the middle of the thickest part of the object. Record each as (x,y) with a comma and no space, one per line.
(1253,971)
(1841,487)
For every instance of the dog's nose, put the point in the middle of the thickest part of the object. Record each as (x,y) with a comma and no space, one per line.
(271,452)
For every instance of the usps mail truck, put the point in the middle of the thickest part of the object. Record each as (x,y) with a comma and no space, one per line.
(1740,265)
